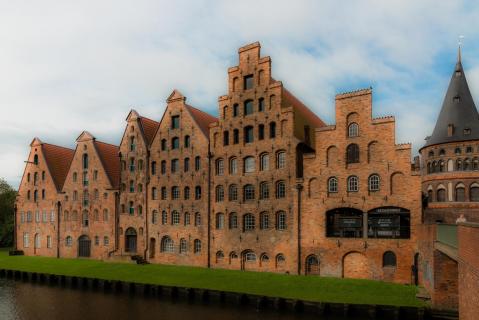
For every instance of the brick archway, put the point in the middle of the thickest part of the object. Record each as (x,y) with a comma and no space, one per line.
(355,265)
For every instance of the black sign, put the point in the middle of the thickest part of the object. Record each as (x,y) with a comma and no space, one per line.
(388,210)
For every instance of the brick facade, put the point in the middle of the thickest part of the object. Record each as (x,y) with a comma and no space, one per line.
(468,271)
(252,190)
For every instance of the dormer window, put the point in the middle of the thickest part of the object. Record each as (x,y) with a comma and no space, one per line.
(248,82)
(450,130)
(456,99)
(458,73)
(467,131)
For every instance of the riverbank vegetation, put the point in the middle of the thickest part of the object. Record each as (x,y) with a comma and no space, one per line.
(7,201)
(309,288)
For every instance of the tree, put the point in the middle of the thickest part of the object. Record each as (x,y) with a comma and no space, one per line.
(7,202)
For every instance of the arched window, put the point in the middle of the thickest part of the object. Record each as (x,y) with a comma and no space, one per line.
(85,218)
(219,256)
(373,182)
(458,165)
(280,189)
(175,218)
(474,192)
(220,194)
(132,144)
(85,161)
(248,192)
(248,164)
(35,159)
(264,190)
(353,130)
(250,256)
(183,245)
(467,164)
(233,169)
(475,164)
(457,151)
(281,220)
(164,217)
(219,167)
(69,241)
(272,130)
(264,162)
(233,192)
(389,259)
(441,195)
(197,163)
(175,143)
(187,141)
(248,222)
(197,193)
(264,220)
(167,244)
(442,152)
(197,219)
(280,159)
(264,258)
(220,221)
(233,220)
(429,195)
(333,184)
(431,153)
(186,193)
(442,166)
(280,260)
(312,265)
(197,246)
(352,153)
(353,184)
(460,193)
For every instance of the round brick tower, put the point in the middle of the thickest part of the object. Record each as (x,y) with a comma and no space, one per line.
(450,157)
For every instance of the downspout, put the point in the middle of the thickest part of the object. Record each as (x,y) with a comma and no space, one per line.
(147,187)
(15,226)
(210,156)
(299,187)
(59,214)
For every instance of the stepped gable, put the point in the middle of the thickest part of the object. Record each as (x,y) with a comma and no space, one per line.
(458,119)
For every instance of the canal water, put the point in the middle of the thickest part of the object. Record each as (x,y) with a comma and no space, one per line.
(29,301)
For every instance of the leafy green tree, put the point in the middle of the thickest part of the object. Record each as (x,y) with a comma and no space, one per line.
(7,202)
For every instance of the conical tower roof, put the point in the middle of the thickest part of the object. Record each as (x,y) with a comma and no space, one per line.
(458,119)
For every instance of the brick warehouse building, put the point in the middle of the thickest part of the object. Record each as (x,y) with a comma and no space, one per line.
(268,186)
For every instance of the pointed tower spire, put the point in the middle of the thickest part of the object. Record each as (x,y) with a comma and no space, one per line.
(458,119)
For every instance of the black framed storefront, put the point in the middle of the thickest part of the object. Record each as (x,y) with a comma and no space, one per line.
(383,222)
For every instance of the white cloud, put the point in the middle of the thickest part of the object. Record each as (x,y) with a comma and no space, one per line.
(71,66)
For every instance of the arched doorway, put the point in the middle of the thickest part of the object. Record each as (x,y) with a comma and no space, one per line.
(355,265)
(152,247)
(312,264)
(84,245)
(130,240)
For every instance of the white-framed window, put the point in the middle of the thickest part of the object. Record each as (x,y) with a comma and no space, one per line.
(233,192)
(52,215)
(183,246)
(49,242)
(281,220)
(280,189)
(167,244)
(264,190)
(353,130)
(248,222)
(197,219)
(264,162)
(233,166)
(106,241)
(249,164)
(69,241)
(264,221)
(250,257)
(374,182)
(45,216)
(333,184)
(220,221)
(353,184)
(220,193)
(175,218)
(220,167)
(26,240)
(248,192)
(37,216)
(197,246)
(280,159)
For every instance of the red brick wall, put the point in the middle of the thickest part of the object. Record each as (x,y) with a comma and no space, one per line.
(468,234)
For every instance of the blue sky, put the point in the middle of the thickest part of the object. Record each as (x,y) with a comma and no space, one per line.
(71,66)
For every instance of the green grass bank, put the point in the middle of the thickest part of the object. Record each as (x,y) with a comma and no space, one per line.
(308,288)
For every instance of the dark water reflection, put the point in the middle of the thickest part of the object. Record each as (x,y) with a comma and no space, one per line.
(19,300)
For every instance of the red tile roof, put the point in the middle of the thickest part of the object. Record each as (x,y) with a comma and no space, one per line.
(303,110)
(203,119)
(58,160)
(111,162)
(149,128)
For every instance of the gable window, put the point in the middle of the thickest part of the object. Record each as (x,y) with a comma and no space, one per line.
(332,184)
(353,184)
(35,159)
(85,161)
(131,208)
(248,82)
(248,107)
(132,186)
(175,143)
(261,105)
(235,110)
(85,178)
(132,144)
(353,130)
(235,136)
(373,182)
(352,153)
(248,164)
(175,122)
(163,144)
(153,168)
(197,163)
(272,130)
(132,164)
(226,138)
(187,141)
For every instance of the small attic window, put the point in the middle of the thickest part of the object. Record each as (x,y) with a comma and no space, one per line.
(467,131)
(456,99)
(450,130)
(458,73)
